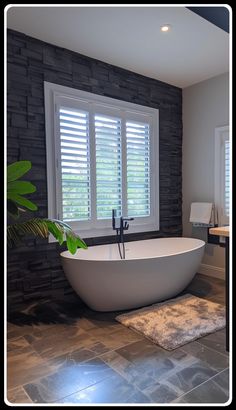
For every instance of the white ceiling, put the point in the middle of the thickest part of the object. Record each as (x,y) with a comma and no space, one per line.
(130,37)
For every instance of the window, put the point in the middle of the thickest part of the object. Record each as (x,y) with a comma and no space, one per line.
(102,154)
(222,174)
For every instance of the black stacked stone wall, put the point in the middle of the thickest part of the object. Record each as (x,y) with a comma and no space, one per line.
(34,270)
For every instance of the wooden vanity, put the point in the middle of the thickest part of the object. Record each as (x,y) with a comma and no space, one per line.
(220,231)
(224,231)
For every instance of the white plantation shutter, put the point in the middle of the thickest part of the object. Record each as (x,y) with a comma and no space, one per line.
(75,164)
(227,179)
(100,152)
(138,169)
(108,165)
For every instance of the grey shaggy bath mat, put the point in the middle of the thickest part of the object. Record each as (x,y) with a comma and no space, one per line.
(176,322)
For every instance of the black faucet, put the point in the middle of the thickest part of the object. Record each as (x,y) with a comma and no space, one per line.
(123,226)
(114,220)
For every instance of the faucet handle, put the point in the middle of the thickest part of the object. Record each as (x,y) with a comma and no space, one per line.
(113,218)
(126,226)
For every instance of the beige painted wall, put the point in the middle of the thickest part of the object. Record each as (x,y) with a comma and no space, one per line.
(205,107)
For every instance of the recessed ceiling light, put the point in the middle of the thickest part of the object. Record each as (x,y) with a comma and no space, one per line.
(166,27)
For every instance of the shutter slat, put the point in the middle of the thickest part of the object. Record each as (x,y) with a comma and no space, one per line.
(108,149)
(75,198)
(73,120)
(74,161)
(106,137)
(73,145)
(100,165)
(72,183)
(73,113)
(74,139)
(101,154)
(70,124)
(73,151)
(81,134)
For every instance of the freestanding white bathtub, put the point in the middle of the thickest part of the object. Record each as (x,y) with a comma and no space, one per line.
(154,270)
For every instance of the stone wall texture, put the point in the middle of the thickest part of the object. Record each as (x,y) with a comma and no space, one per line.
(34,270)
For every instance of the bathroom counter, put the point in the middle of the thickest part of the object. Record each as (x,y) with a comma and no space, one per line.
(220,231)
(224,231)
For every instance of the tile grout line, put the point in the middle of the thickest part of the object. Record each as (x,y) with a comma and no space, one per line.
(99,356)
(40,364)
(115,371)
(162,381)
(133,385)
(211,348)
(20,386)
(26,393)
(196,387)
(77,391)
(82,362)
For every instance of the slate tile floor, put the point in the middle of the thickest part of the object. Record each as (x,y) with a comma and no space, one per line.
(67,353)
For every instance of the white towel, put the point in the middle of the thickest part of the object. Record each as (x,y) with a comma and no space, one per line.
(201,212)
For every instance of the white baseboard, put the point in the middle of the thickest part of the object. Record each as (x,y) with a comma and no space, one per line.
(211,270)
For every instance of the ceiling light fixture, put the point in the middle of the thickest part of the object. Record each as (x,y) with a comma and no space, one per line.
(165,28)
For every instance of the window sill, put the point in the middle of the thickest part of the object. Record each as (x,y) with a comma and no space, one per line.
(109,232)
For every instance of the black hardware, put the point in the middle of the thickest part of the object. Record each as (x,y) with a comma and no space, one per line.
(123,226)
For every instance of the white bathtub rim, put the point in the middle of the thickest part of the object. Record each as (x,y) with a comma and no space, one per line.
(68,255)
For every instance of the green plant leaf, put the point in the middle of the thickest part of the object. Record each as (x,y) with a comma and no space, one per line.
(22,201)
(71,242)
(62,223)
(56,231)
(80,243)
(21,187)
(17,169)
(67,228)
(35,226)
(42,227)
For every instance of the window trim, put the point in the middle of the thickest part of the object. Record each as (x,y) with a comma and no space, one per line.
(219,175)
(54,91)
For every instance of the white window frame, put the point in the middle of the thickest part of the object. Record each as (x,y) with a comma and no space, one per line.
(219,190)
(54,91)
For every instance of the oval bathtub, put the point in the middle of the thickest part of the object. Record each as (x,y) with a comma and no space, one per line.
(154,270)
